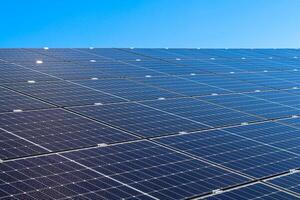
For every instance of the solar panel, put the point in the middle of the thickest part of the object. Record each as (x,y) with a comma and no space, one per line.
(162,173)
(140,119)
(128,89)
(251,104)
(91,123)
(227,83)
(182,86)
(228,148)
(12,73)
(58,130)
(63,93)
(267,81)
(202,112)
(13,146)
(12,101)
(56,177)
(277,135)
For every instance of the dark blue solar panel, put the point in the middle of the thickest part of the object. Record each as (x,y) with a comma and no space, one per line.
(182,86)
(251,104)
(155,170)
(59,130)
(202,112)
(156,53)
(12,146)
(241,153)
(277,135)
(167,68)
(64,93)
(127,89)
(101,63)
(10,101)
(264,80)
(55,177)
(21,56)
(69,70)
(13,73)
(285,98)
(140,119)
(67,54)
(226,83)
(114,54)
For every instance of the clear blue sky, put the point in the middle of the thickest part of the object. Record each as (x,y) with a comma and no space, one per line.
(150,23)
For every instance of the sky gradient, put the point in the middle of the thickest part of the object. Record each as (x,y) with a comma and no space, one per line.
(150,23)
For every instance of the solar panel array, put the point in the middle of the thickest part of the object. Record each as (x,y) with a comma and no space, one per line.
(149,123)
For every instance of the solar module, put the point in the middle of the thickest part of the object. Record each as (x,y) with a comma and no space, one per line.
(140,119)
(11,101)
(92,123)
(63,93)
(155,170)
(254,105)
(247,155)
(127,89)
(56,177)
(57,129)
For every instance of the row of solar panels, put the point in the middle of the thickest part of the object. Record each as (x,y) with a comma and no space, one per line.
(91,63)
(138,170)
(66,132)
